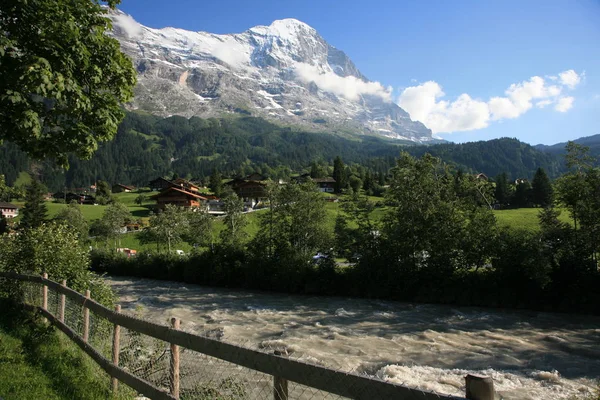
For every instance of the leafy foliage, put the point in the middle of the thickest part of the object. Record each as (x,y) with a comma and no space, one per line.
(72,217)
(53,248)
(63,78)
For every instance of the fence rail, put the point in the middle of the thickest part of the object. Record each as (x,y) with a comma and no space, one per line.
(210,356)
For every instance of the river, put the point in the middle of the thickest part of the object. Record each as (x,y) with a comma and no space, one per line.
(530,355)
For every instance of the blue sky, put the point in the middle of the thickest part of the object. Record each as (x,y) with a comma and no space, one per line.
(450,63)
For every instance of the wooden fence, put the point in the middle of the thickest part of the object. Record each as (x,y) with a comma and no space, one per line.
(281,368)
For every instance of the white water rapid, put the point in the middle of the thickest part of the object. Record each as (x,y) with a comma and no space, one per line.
(530,355)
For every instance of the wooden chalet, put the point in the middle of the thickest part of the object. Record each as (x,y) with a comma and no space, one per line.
(160,184)
(251,187)
(118,188)
(179,197)
(8,210)
(325,184)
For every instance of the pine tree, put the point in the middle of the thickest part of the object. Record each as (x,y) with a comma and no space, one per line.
(542,193)
(339,174)
(216,183)
(502,191)
(35,211)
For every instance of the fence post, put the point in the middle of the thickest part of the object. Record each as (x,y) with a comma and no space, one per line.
(280,385)
(86,318)
(45,293)
(175,362)
(63,299)
(479,387)
(115,350)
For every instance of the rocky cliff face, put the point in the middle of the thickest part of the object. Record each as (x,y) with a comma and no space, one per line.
(284,72)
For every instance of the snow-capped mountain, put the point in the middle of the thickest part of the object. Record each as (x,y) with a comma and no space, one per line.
(285,72)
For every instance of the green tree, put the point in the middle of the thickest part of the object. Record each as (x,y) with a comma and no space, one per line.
(200,229)
(63,79)
(430,226)
(103,193)
(522,196)
(317,170)
(339,174)
(141,199)
(356,232)
(541,189)
(571,187)
(168,226)
(216,183)
(113,220)
(355,183)
(6,192)
(502,191)
(54,248)
(294,225)
(579,191)
(234,222)
(35,211)
(72,217)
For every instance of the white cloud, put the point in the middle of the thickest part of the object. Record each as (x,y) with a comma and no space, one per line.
(570,78)
(127,24)
(519,98)
(543,103)
(462,114)
(231,55)
(564,104)
(349,87)
(424,103)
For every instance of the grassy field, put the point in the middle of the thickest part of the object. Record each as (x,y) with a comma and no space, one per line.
(38,362)
(523,218)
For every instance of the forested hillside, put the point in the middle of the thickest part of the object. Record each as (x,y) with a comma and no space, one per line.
(593,142)
(147,146)
(492,157)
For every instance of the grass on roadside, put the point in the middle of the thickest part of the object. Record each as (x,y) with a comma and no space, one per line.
(39,362)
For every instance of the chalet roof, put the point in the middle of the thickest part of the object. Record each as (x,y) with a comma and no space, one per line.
(160,179)
(180,190)
(251,183)
(185,182)
(255,177)
(4,204)
(123,186)
(324,180)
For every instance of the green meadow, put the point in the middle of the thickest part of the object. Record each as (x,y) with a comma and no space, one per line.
(522,218)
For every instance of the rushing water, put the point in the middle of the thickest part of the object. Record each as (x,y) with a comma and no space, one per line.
(530,355)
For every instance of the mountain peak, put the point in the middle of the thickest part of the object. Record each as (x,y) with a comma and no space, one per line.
(287,29)
(284,72)
(290,23)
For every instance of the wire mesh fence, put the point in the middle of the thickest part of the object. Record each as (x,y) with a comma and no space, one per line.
(168,362)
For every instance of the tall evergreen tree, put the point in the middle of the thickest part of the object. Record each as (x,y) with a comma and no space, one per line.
(522,197)
(216,183)
(541,189)
(502,191)
(339,174)
(35,211)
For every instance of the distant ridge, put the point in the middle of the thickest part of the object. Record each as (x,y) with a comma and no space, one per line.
(593,142)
